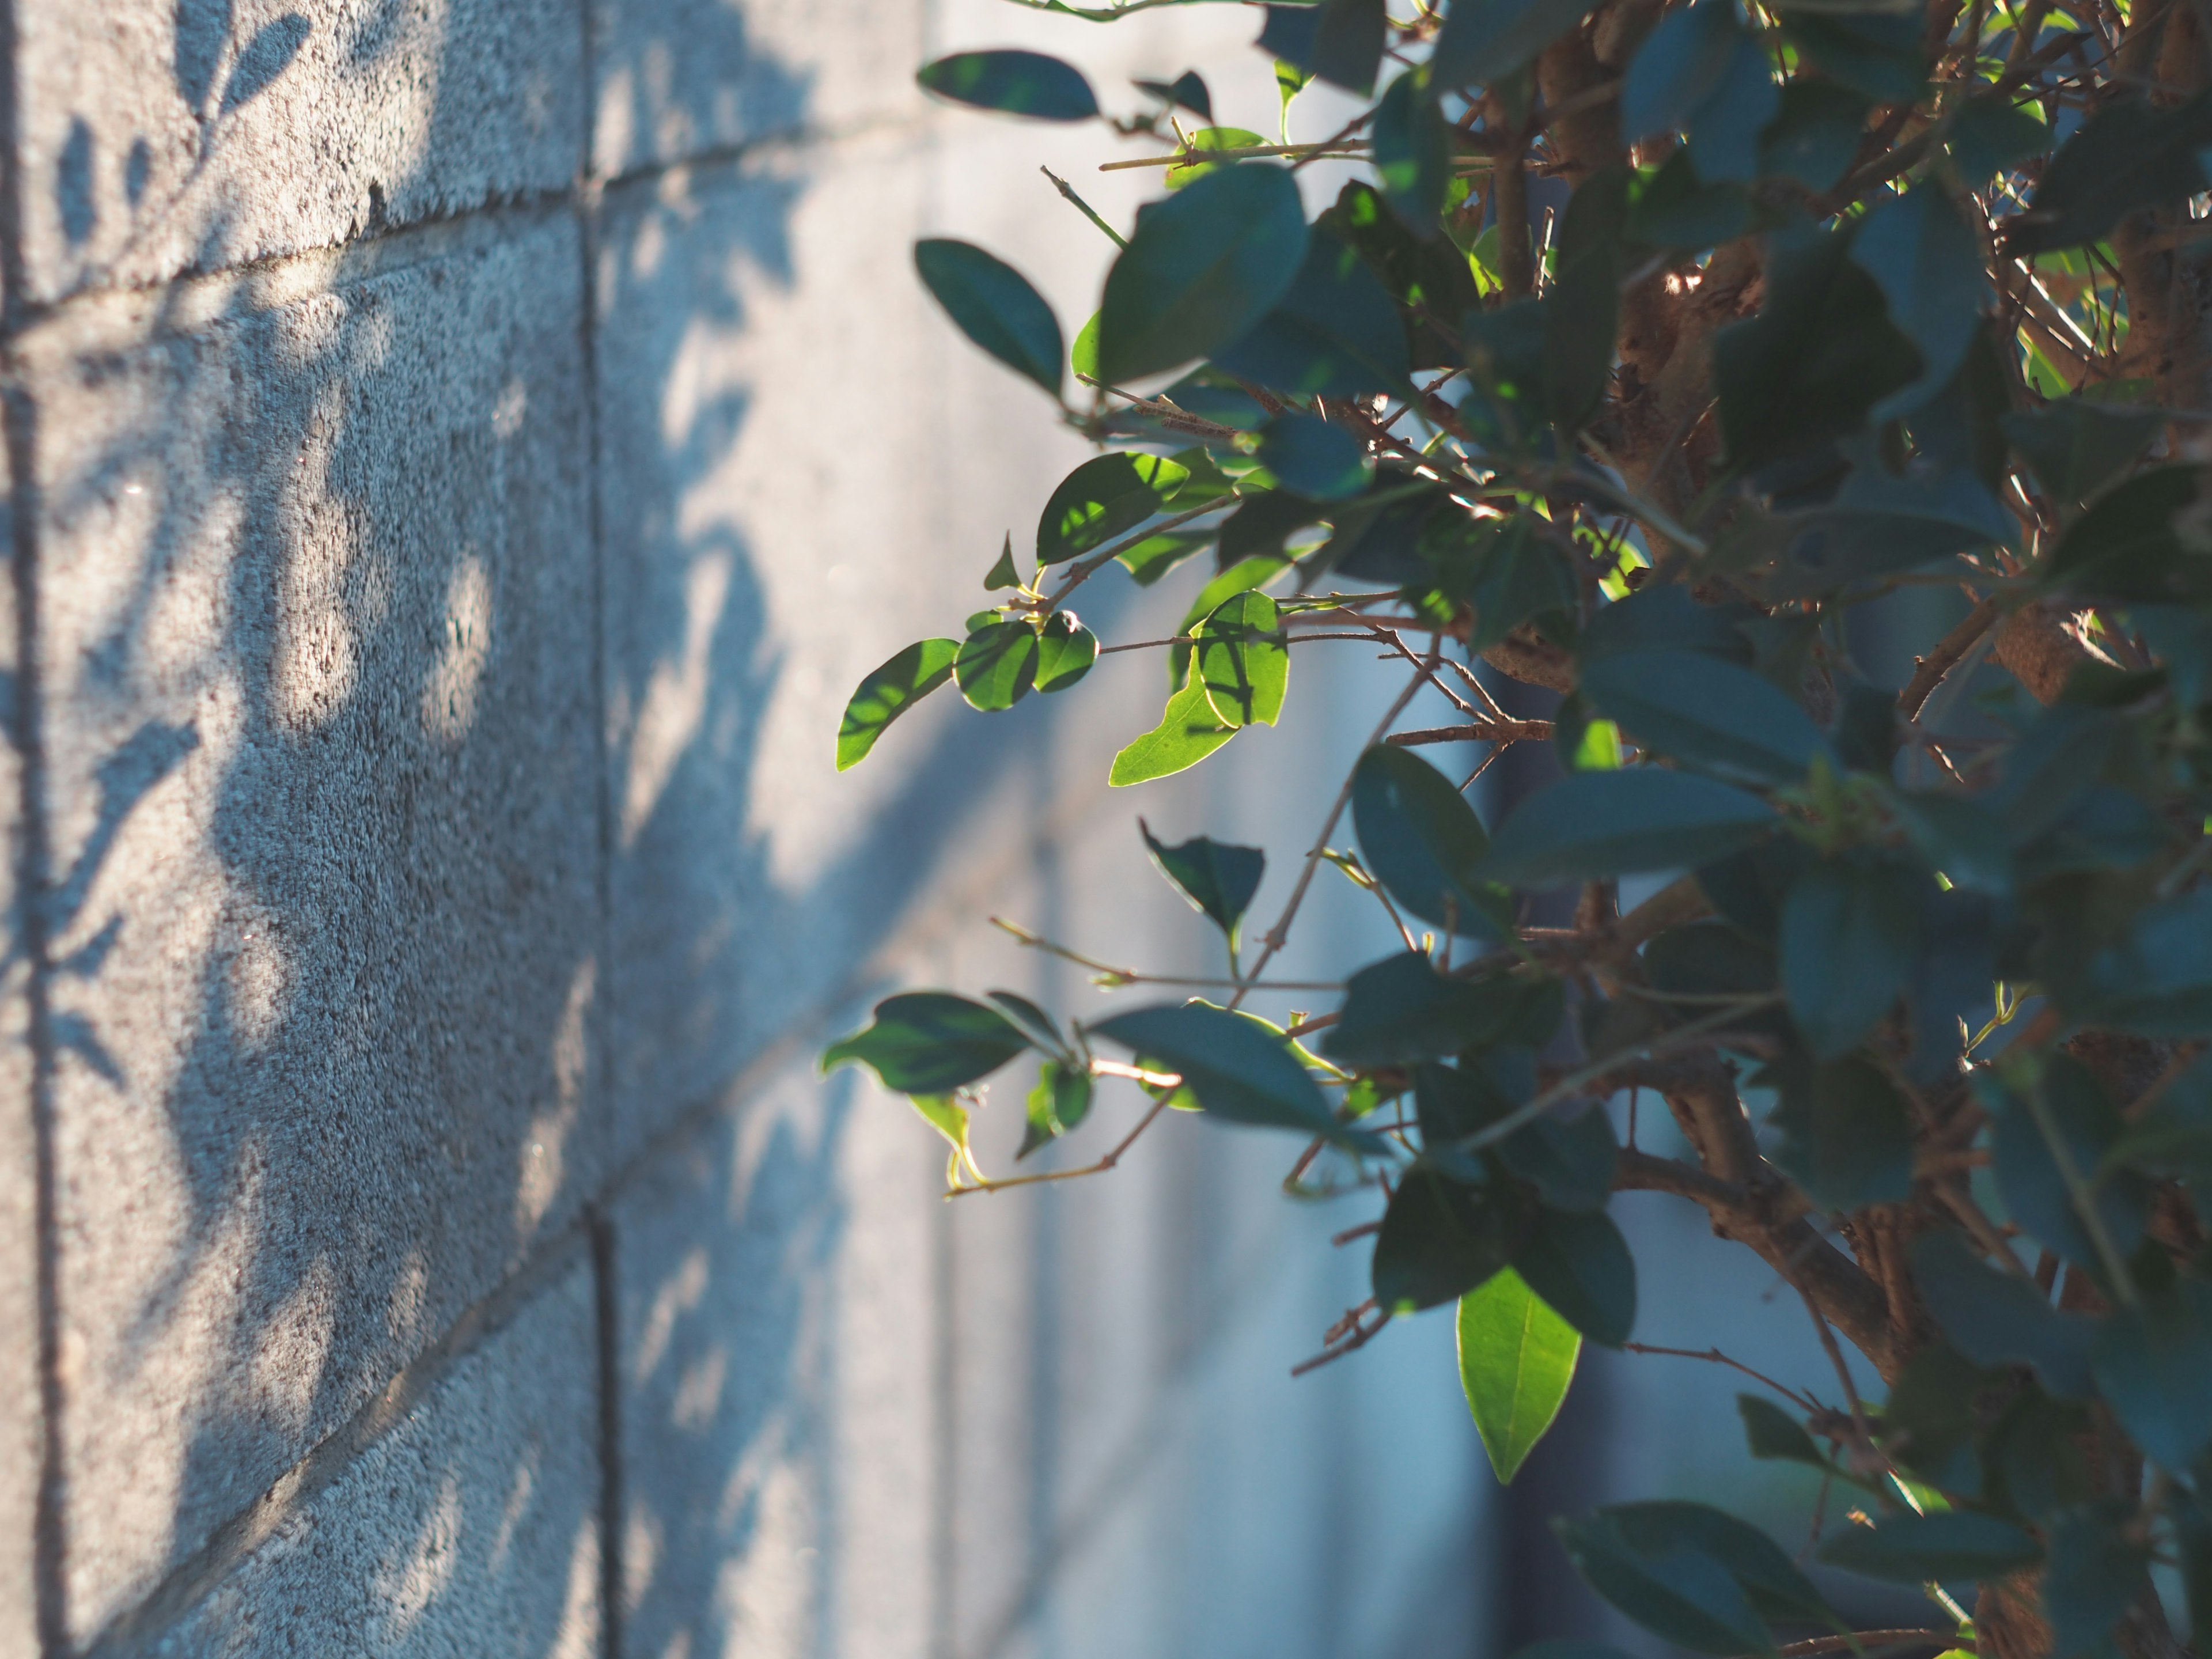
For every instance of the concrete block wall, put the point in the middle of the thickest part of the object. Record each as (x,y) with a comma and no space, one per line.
(459,454)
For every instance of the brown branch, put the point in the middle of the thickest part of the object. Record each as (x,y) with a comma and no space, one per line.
(1929,672)
(1479,732)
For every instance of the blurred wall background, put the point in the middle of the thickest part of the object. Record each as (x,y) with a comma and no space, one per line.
(460,454)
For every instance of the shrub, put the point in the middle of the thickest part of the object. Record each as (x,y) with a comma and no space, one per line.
(1832,300)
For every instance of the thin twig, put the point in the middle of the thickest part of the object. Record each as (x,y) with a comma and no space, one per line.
(1042,1175)
(1950,651)
(1804,1402)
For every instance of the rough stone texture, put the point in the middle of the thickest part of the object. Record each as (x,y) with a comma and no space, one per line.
(196,134)
(317,589)
(471,1530)
(676,80)
(21,1439)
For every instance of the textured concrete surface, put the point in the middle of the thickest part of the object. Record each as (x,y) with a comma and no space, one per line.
(322,817)
(21,1438)
(469,1530)
(197,134)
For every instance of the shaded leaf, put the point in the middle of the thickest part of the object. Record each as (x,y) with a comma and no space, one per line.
(2127,545)
(2157,979)
(1847,1134)
(1595,824)
(1850,935)
(1203,267)
(2151,1362)
(1582,312)
(1708,712)
(1218,879)
(1335,333)
(1442,1238)
(1580,1265)
(1413,152)
(2087,1126)
(2093,1576)
(1943,1544)
(1487,41)
(1570,1161)
(888,692)
(1422,841)
(1996,1318)
(1517,1361)
(930,1042)
(993,305)
(1813,135)
(2128,155)
(2076,447)
(1238,1068)
(1015,82)
(1928,264)
(1774,1433)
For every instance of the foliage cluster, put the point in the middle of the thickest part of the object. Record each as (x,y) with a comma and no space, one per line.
(1654,344)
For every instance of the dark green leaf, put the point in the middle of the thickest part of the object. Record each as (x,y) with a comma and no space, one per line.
(1216,877)
(1287,36)
(1847,1134)
(997,665)
(1003,574)
(1031,1021)
(1442,1238)
(1454,1101)
(2128,155)
(1928,264)
(1708,712)
(1505,407)
(888,692)
(1187,733)
(1672,207)
(1595,824)
(993,305)
(929,1043)
(1335,333)
(1516,1360)
(1348,44)
(1426,274)
(1317,459)
(1103,497)
(1682,1596)
(1934,1418)
(1401,1010)
(1813,135)
(1066,651)
(1187,90)
(2076,447)
(1261,528)
(1017,82)
(1991,134)
(2192,1527)
(1773,1433)
(2152,1362)
(2170,1136)
(1996,1318)
(2094,1576)
(1748,888)
(1569,1161)
(1582,312)
(1060,1101)
(2157,980)
(1875,53)
(1422,841)
(1944,1545)
(1819,354)
(1681,65)
(1959,836)
(1665,616)
(1850,935)
(1238,1068)
(2127,547)
(1580,1265)
(1506,571)
(1203,267)
(1487,40)
(2087,1127)
(1413,151)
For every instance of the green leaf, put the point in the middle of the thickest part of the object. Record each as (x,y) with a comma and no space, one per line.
(1850,932)
(1031,1021)
(1083,352)
(2170,1136)
(1847,1134)
(1187,90)
(1570,1161)
(1239,1068)
(1998,1318)
(1316,458)
(1003,574)
(1595,824)
(1773,1433)
(1516,1360)
(997,665)
(1943,1544)
(1422,841)
(1506,408)
(1103,497)
(888,692)
(1187,733)
(1348,37)
(1206,139)
(1413,151)
(1218,879)
(1670,207)
(1066,651)
(1423,273)
(930,1042)
(2128,155)
(1154,557)
(2036,1192)
(1875,52)
(1580,1265)
(1582,314)
(1203,267)
(1820,353)
(2157,979)
(2126,547)
(1697,1576)
(2076,447)
(1016,82)
(1928,264)
(1702,71)
(1335,333)
(1401,1010)
(1243,661)
(1060,1101)
(1813,135)
(2151,1362)
(1991,134)
(1487,41)
(2095,1574)
(1441,1238)
(1289,82)
(993,305)
(1708,712)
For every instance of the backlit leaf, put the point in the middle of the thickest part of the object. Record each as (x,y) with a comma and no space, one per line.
(1517,1361)
(1187,733)
(1103,497)
(1218,879)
